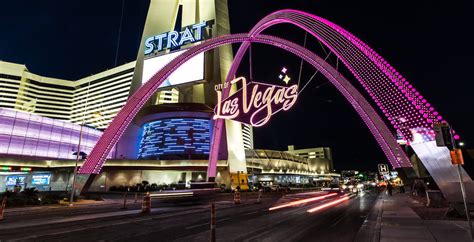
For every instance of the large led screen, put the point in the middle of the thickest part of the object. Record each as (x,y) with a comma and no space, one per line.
(192,70)
(178,138)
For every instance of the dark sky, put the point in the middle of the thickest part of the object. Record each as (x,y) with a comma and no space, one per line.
(429,41)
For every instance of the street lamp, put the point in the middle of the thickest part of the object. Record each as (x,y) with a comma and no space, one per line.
(73,188)
(78,152)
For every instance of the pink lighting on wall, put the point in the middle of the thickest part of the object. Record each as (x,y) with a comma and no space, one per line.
(27,134)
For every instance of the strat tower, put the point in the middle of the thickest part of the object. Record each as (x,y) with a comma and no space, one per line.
(187,98)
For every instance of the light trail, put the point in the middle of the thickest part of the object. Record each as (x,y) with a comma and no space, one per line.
(172,194)
(335,202)
(302,201)
(309,193)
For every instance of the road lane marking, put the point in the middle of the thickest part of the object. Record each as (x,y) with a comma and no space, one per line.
(251,213)
(197,225)
(224,219)
(79,229)
(203,224)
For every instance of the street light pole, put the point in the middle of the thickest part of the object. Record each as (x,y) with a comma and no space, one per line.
(78,152)
(73,188)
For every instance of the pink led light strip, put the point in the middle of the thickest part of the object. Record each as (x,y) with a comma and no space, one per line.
(396,156)
(95,161)
(412,118)
(366,65)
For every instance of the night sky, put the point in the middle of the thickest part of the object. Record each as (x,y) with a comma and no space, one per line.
(429,42)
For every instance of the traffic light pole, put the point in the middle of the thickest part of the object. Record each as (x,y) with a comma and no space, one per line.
(444,137)
(463,191)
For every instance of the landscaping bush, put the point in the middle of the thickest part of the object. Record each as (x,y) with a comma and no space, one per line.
(27,197)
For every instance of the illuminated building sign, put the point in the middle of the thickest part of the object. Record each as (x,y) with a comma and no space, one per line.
(175,138)
(172,39)
(41,179)
(255,102)
(15,180)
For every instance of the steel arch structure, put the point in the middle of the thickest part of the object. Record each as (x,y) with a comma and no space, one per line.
(123,119)
(405,108)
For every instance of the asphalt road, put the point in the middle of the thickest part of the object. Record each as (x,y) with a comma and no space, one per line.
(191,221)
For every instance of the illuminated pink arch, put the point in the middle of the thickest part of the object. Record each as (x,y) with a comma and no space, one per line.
(97,157)
(398,100)
(369,68)
(401,103)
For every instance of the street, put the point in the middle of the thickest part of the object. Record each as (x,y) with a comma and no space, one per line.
(191,221)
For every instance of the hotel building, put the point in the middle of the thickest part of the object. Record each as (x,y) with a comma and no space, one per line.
(169,140)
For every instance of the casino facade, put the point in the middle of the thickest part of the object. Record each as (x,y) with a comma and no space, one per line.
(44,119)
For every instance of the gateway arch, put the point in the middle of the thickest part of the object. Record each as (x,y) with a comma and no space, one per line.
(401,104)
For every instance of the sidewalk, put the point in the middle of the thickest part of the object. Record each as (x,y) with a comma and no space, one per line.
(80,203)
(392,219)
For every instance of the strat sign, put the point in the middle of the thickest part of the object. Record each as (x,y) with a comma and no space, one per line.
(173,39)
(255,102)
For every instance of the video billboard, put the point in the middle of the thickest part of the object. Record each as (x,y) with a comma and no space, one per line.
(192,70)
(177,138)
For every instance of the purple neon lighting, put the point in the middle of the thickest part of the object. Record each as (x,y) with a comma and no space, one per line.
(125,116)
(385,85)
(399,101)
(383,136)
(395,154)
(404,99)
(27,134)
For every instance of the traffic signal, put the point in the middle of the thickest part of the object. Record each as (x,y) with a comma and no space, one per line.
(443,135)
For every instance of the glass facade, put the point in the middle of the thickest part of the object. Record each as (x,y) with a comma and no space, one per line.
(178,138)
(27,134)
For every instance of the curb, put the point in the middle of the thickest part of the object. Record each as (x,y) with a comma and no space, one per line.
(371,228)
